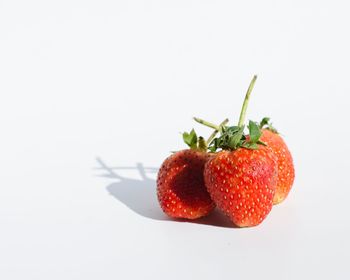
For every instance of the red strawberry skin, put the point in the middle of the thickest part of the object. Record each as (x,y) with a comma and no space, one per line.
(286,172)
(180,185)
(242,183)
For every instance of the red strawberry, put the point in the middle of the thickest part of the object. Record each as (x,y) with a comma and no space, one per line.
(242,184)
(286,171)
(242,179)
(180,185)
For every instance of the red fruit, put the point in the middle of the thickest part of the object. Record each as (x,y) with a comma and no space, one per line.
(242,178)
(286,171)
(180,185)
(242,184)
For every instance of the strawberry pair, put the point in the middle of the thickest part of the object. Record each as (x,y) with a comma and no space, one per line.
(243,175)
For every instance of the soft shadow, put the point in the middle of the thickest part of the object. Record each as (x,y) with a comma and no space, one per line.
(140,195)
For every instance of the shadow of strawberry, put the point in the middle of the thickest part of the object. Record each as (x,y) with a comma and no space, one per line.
(140,196)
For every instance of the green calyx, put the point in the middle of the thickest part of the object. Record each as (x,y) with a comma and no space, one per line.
(198,142)
(233,137)
(191,139)
(266,124)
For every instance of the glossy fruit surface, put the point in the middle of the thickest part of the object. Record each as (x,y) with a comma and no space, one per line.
(242,183)
(286,172)
(180,185)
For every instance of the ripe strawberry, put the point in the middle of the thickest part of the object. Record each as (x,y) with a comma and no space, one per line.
(242,183)
(242,178)
(180,183)
(286,171)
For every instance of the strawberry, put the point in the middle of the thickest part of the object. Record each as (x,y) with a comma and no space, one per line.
(242,178)
(180,185)
(242,183)
(180,182)
(286,171)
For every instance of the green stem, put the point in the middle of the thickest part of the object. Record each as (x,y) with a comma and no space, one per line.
(211,137)
(211,125)
(246,101)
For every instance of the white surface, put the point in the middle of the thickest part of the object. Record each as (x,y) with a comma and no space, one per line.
(118,80)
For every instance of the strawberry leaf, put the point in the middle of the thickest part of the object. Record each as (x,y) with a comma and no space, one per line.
(190,139)
(234,138)
(213,145)
(254,132)
(230,139)
(251,146)
(202,144)
(266,124)
(265,121)
(261,143)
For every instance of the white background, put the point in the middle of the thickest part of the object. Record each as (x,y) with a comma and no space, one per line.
(118,81)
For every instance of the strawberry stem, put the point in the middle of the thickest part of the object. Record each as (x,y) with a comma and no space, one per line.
(246,101)
(209,124)
(212,136)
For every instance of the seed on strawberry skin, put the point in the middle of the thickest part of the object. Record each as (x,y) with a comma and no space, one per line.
(251,201)
(286,172)
(180,182)
(180,185)
(245,162)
